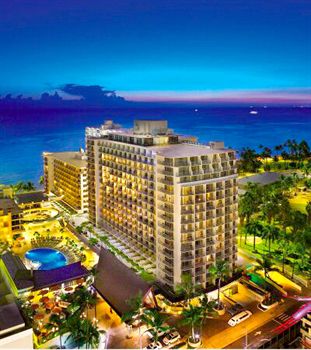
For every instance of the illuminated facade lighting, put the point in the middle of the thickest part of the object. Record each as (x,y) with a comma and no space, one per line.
(165,195)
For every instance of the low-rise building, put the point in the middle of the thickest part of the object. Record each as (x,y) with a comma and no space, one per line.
(65,175)
(6,191)
(10,218)
(31,200)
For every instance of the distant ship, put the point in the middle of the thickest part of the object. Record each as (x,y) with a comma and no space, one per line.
(253,112)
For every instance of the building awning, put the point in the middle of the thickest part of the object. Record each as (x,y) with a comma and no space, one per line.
(48,278)
(117,283)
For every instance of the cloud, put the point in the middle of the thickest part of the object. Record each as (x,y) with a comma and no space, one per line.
(94,94)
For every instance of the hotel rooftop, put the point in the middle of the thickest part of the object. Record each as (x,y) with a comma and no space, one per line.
(75,159)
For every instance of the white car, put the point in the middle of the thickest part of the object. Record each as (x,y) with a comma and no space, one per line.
(263,307)
(171,338)
(153,346)
(240,317)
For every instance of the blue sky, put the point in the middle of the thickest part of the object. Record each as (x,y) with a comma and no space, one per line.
(154,48)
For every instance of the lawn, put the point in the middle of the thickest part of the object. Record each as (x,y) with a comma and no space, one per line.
(300,201)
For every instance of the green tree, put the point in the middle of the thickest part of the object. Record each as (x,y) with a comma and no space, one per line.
(249,161)
(308,210)
(297,221)
(187,288)
(41,180)
(270,233)
(85,298)
(156,321)
(218,272)
(193,316)
(136,305)
(265,264)
(250,202)
(284,244)
(254,228)
(208,307)
(57,323)
(85,333)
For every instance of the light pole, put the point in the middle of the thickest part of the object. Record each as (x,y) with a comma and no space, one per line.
(246,339)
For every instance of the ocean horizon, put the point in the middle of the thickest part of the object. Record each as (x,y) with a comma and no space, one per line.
(24,135)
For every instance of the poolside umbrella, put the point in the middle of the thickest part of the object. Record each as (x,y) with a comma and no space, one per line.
(43,292)
(30,297)
(55,288)
(68,289)
(57,310)
(44,299)
(49,305)
(39,317)
(35,306)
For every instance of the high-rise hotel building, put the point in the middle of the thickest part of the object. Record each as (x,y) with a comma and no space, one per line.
(65,175)
(174,199)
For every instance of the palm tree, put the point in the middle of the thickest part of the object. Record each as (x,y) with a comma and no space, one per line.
(270,233)
(41,180)
(58,323)
(86,333)
(250,202)
(254,228)
(136,305)
(208,307)
(193,316)
(297,221)
(187,288)
(308,210)
(156,321)
(284,246)
(218,272)
(265,264)
(249,161)
(85,298)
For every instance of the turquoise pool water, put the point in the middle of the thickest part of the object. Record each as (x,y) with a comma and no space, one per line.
(48,258)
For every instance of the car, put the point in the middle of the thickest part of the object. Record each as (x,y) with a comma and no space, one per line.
(240,317)
(171,338)
(235,309)
(153,346)
(265,307)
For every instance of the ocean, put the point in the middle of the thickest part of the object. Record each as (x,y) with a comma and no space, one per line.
(24,135)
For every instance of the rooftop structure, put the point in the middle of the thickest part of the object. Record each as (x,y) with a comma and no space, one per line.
(30,200)
(9,206)
(10,319)
(45,279)
(176,201)
(16,274)
(65,175)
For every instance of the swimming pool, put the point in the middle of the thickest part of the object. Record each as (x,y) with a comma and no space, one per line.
(46,258)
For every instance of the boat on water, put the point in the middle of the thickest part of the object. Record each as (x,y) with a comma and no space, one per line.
(253,112)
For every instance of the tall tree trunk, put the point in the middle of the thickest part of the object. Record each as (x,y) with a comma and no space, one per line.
(218,297)
(283,262)
(269,245)
(254,245)
(192,331)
